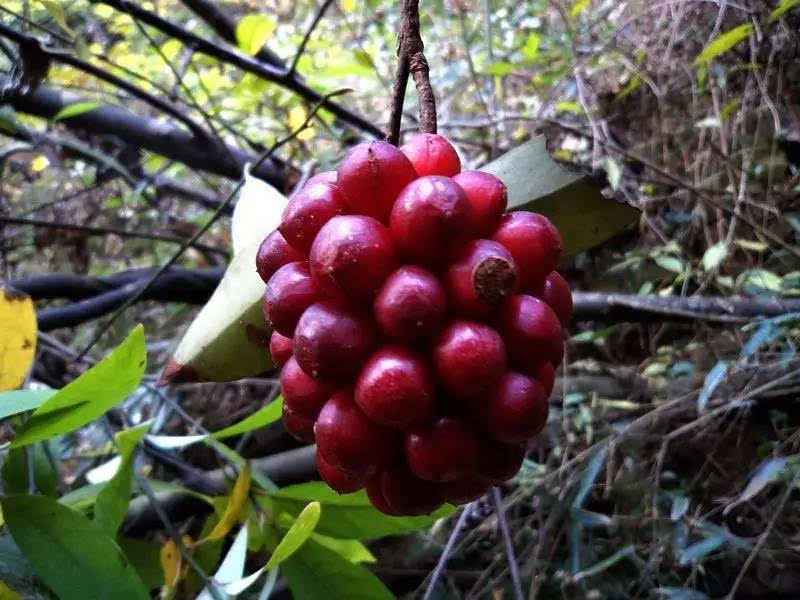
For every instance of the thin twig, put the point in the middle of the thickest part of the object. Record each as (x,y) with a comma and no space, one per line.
(302,47)
(208,223)
(437,572)
(499,509)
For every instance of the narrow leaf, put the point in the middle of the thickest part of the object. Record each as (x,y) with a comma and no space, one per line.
(352,550)
(722,43)
(57,12)
(297,535)
(18,338)
(73,556)
(261,418)
(73,110)
(714,377)
(700,549)
(233,511)
(767,472)
(669,263)
(784,7)
(680,504)
(232,566)
(90,395)
(680,593)
(606,563)
(589,475)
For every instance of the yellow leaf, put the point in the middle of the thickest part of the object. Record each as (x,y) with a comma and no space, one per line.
(39,163)
(348,5)
(170,563)
(579,7)
(252,32)
(18,338)
(297,116)
(233,511)
(6,593)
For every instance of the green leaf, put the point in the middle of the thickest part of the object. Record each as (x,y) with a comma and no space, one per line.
(760,281)
(315,572)
(73,110)
(73,556)
(579,7)
(15,470)
(669,263)
(722,43)
(589,475)
(90,395)
(767,472)
(531,48)
(700,549)
(614,172)
(350,516)
(784,7)
(112,501)
(714,256)
(536,182)
(145,559)
(297,535)
(17,401)
(500,68)
(352,550)
(57,12)
(714,377)
(9,123)
(570,107)
(261,418)
(252,32)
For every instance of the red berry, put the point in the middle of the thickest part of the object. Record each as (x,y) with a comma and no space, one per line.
(289,292)
(444,450)
(544,373)
(352,254)
(273,253)
(532,331)
(331,342)
(299,428)
(558,296)
(395,387)
(303,395)
(484,275)
(431,154)
(308,211)
(338,480)
(498,462)
(516,409)
(328,177)
(488,198)
(430,220)
(410,305)
(533,241)
(371,176)
(469,357)
(348,440)
(280,348)
(374,487)
(462,491)
(406,494)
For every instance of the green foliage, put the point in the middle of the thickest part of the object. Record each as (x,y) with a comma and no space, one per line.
(298,533)
(17,401)
(73,556)
(73,110)
(722,43)
(253,31)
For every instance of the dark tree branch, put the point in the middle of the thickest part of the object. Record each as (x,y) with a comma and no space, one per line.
(149,134)
(242,61)
(93,230)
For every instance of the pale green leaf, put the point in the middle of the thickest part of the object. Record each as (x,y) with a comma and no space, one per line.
(73,110)
(531,48)
(57,12)
(352,550)
(17,401)
(722,43)
(579,7)
(90,395)
(784,7)
(714,256)
(297,535)
(252,32)
(714,377)
(669,263)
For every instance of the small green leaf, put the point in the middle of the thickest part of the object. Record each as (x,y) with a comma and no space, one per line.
(315,572)
(57,12)
(722,43)
(352,550)
(112,501)
(700,549)
(669,263)
(500,68)
(784,7)
(252,32)
(767,472)
(760,281)
(297,535)
(714,377)
(90,395)
(17,401)
(73,110)
(614,173)
(589,475)
(261,418)
(8,119)
(531,48)
(714,256)
(579,7)
(350,516)
(571,107)
(73,556)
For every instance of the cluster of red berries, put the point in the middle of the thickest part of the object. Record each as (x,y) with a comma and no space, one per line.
(417,325)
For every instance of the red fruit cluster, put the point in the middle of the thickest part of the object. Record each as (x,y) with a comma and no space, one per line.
(417,324)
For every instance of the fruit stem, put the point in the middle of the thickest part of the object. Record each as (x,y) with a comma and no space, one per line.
(411,61)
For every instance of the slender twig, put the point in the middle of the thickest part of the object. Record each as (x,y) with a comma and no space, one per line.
(217,213)
(307,36)
(437,572)
(499,509)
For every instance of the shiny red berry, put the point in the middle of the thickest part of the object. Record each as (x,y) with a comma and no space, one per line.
(273,253)
(498,462)
(374,488)
(395,387)
(280,348)
(556,293)
(488,198)
(482,278)
(430,220)
(349,441)
(407,494)
(444,450)
(411,304)
(332,342)
(352,255)
(306,213)
(544,373)
(464,490)
(469,357)
(532,332)
(431,154)
(371,177)
(516,409)
(338,480)
(299,428)
(533,241)
(289,292)
(328,177)
(303,395)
